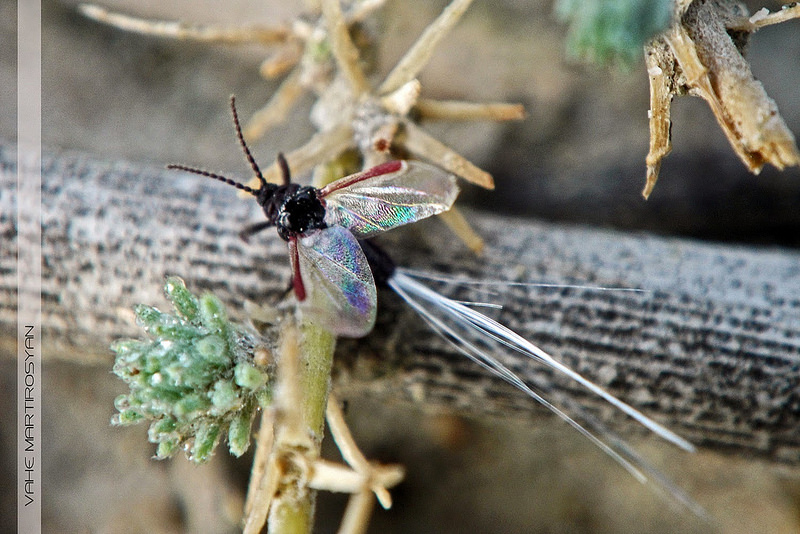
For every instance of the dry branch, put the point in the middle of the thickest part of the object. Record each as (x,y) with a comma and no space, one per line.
(702,54)
(713,351)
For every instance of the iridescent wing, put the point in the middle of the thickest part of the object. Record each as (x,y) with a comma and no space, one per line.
(340,293)
(386,196)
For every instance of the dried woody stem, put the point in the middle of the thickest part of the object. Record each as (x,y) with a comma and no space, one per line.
(416,140)
(282,61)
(265,477)
(360,478)
(381,120)
(421,51)
(702,55)
(310,66)
(383,114)
(277,108)
(456,221)
(374,478)
(386,111)
(296,49)
(325,145)
(287,467)
(357,514)
(344,50)
(281,495)
(180,30)
(468,111)
(350,114)
(763,18)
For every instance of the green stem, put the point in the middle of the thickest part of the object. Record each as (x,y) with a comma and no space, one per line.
(293,508)
(316,359)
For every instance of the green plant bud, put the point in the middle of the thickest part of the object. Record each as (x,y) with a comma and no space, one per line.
(608,30)
(224,397)
(126,348)
(212,314)
(166,425)
(174,330)
(249,377)
(122,402)
(190,406)
(128,417)
(239,432)
(184,381)
(264,397)
(166,449)
(185,303)
(157,433)
(213,349)
(206,439)
(147,315)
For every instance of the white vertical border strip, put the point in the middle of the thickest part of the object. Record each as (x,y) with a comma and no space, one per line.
(29,266)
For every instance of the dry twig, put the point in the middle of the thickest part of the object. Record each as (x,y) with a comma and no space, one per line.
(349,113)
(702,54)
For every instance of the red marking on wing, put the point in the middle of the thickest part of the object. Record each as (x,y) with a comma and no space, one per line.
(297,279)
(378,170)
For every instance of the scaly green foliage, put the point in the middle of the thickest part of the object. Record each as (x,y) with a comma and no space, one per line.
(194,380)
(607,30)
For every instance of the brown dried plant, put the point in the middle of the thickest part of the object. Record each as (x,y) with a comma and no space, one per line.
(702,54)
(298,51)
(350,113)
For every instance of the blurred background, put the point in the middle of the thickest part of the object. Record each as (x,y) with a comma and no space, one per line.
(578,158)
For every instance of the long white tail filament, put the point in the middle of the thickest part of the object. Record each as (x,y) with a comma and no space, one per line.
(473,334)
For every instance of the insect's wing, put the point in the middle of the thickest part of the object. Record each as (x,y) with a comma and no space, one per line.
(340,290)
(390,195)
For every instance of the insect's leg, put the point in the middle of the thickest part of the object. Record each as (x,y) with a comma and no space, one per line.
(253,229)
(297,279)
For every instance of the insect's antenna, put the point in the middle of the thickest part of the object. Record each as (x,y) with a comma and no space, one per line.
(247,153)
(284,165)
(219,177)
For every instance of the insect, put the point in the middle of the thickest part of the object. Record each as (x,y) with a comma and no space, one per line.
(330,274)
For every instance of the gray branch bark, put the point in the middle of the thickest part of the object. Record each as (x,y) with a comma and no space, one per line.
(712,350)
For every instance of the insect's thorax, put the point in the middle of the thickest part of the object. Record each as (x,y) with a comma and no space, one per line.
(295,211)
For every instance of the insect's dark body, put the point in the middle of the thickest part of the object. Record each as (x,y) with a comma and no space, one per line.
(381,264)
(292,209)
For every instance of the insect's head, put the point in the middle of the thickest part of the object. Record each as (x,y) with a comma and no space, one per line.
(294,210)
(300,212)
